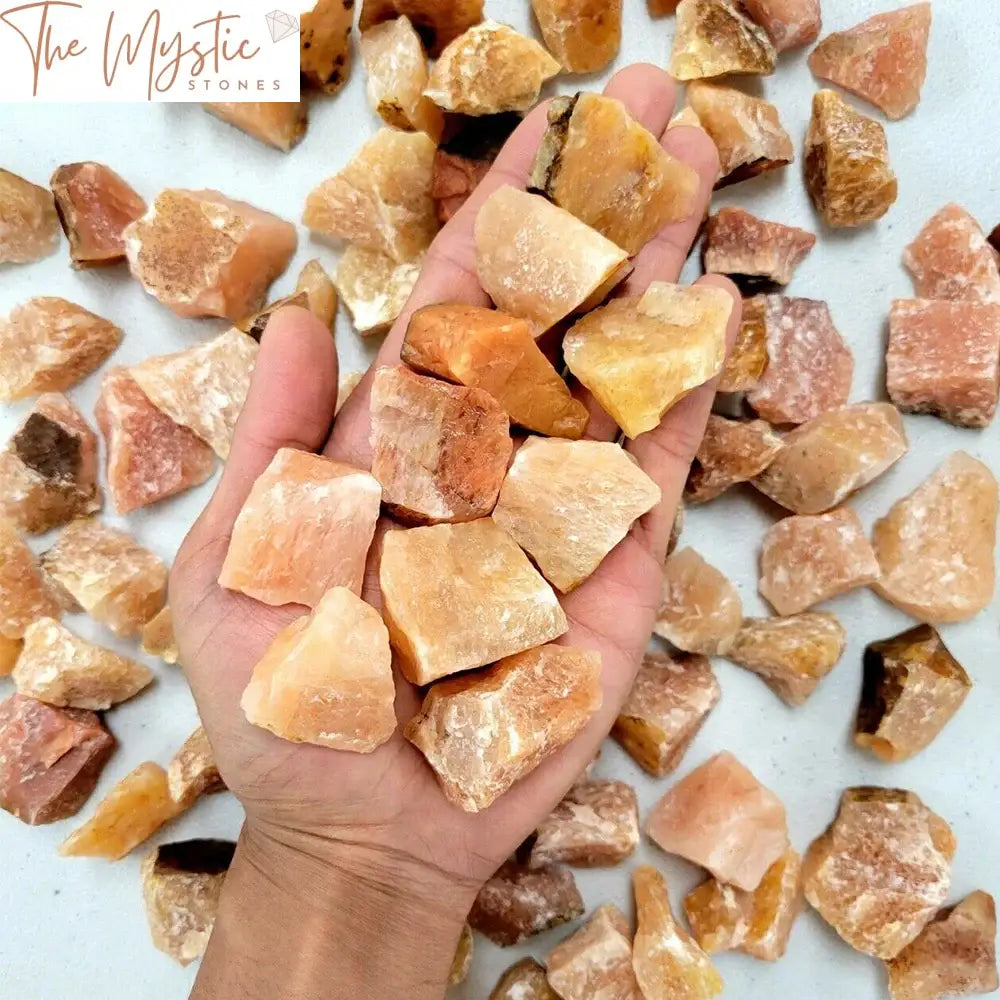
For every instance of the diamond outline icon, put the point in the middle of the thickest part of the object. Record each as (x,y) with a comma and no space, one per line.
(281,25)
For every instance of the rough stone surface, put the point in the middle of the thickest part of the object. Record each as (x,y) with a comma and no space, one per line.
(157,636)
(748,358)
(320,292)
(701,610)
(437,23)
(193,772)
(10,650)
(325,54)
(716,38)
(29,226)
(731,452)
(462,962)
(524,980)
(281,124)
(584,35)
(24,593)
(374,288)
(788,23)
(255,325)
(754,251)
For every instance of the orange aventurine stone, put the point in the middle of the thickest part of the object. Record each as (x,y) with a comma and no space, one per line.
(715,38)
(748,358)
(374,288)
(584,35)
(203,254)
(788,23)
(731,452)
(306,526)
(485,732)
(524,980)
(281,124)
(24,594)
(640,187)
(883,59)
(753,251)
(881,870)
(327,678)
(722,818)
(320,292)
(157,636)
(325,44)
(701,610)
(10,650)
(439,451)
(193,771)
(437,23)
(29,226)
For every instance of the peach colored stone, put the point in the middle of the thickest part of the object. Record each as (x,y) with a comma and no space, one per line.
(584,35)
(193,772)
(524,980)
(569,503)
(29,226)
(754,251)
(439,451)
(10,650)
(936,545)
(255,326)
(157,636)
(320,292)
(701,610)
(281,124)
(462,962)
(788,23)
(721,817)
(437,23)
(748,358)
(24,594)
(374,288)
(325,53)
(716,38)
(731,452)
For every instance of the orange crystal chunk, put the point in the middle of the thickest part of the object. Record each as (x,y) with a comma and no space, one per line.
(731,452)
(584,35)
(24,594)
(881,870)
(10,650)
(319,291)
(193,771)
(701,610)
(281,124)
(715,38)
(748,358)
(325,44)
(158,636)
(753,250)
(462,962)
(306,526)
(29,226)
(437,23)
(788,23)
(374,288)
(524,980)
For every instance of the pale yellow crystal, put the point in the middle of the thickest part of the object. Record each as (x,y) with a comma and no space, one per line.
(193,772)
(24,593)
(320,292)
(157,636)
(714,38)
(374,288)
(584,35)
(29,226)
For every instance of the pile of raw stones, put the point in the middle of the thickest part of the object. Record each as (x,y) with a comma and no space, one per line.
(508,529)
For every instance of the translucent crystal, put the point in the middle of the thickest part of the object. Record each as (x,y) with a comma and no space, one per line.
(701,610)
(788,23)
(731,452)
(158,636)
(281,124)
(754,251)
(348,384)
(584,35)
(438,23)
(325,44)
(748,358)
(686,116)
(524,980)
(255,325)
(29,226)
(320,292)
(677,528)
(10,650)
(193,771)
(462,961)
(374,288)
(715,38)
(24,594)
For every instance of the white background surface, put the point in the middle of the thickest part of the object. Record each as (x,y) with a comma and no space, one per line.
(71,929)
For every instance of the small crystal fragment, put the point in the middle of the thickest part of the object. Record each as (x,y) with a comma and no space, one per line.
(847,164)
(524,980)
(281,124)
(203,254)
(95,205)
(490,68)
(686,116)
(881,870)
(48,471)
(668,962)
(193,771)
(50,759)
(791,655)
(788,23)
(748,358)
(584,35)
(538,262)
(439,451)
(701,610)
(830,457)
(255,325)
(883,59)
(810,367)
(10,650)
(437,23)
(935,546)
(49,344)
(954,955)
(715,38)
(374,288)
(320,292)
(639,357)
(569,503)
(722,818)
(462,961)
(519,902)
(640,187)
(325,44)
(912,688)
(29,226)
(484,732)
(746,131)
(808,559)
(203,388)
(731,452)
(753,251)
(670,700)
(348,384)
(62,669)
(677,528)
(158,637)
(181,886)
(24,593)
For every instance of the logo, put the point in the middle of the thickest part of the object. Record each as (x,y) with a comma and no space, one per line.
(281,25)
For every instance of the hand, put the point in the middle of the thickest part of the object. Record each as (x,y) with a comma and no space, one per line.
(343,843)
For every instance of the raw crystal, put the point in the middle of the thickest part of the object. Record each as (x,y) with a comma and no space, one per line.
(791,655)
(595,963)
(29,226)
(181,886)
(951,259)
(327,678)
(753,251)
(881,870)
(538,262)
(825,460)
(439,451)
(524,980)
(306,526)
(486,349)
(677,528)
(108,574)
(722,818)
(193,771)
(596,825)
(320,292)
(374,288)
(325,44)
(95,205)
(657,8)
(715,38)
(640,188)
(203,254)
(438,23)
(49,344)
(50,759)
(24,593)
(484,732)
(670,700)
(10,650)
(944,358)
(490,68)
(158,637)
(808,559)
(701,610)
(348,384)
(686,116)
(462,962)
(518,902)
(639,357)
(203,388)
(62,669)
(748,358)
(955,954)
(723,918)
(255,325)
(883,59)
(810,367)
(48,471)
(584,35)
(847,163)
(788,23)
(668,962)
(731,452)
(935,546)
(746,131)
(912,688)
(129,814)
(569,503)
(281,124)
(149,456)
